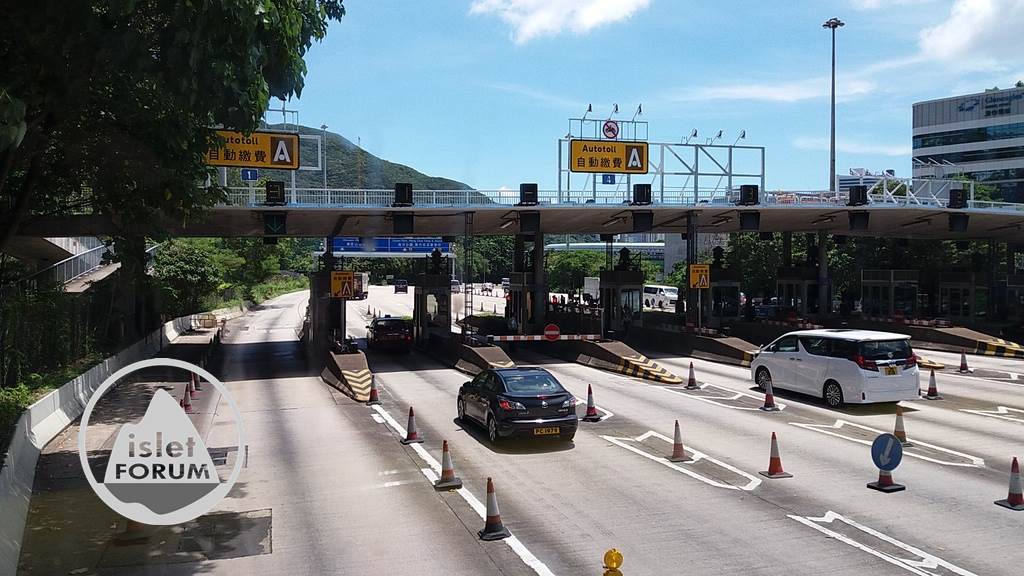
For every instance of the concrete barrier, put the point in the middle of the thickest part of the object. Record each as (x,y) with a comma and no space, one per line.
(49,415)
(349,373)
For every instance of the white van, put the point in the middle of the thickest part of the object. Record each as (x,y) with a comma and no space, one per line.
(840,366)
(660,297)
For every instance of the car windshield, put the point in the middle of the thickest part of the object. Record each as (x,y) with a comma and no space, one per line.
(673,292)
(885,349)
(532,383)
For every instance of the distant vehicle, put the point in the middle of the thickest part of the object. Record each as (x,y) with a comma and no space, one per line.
(518,401)
(388,332)
(456,286)
(401,286)
(362,285)
(506,284)
(487,288)
(660,297)
(840,366)
(592,290)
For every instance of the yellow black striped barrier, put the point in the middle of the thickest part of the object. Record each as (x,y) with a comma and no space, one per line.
(358,383)
(641,366)
(999,347)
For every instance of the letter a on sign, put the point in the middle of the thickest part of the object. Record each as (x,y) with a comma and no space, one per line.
(281,153)
(635,159)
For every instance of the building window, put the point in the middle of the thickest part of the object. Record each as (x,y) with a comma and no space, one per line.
(985,134)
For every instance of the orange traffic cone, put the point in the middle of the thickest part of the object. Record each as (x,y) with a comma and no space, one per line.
(196,380)
(933,390)
(191,386)
(885,483)
(775,462)
(374,395)
(901,432)
(964,368)
(691,380)
(411,435)
(678,454)
(769,399)
(186,400)
(1015,501)
(448,479)
(493,528)
(591,415)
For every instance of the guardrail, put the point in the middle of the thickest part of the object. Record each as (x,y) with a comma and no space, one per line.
(77,266)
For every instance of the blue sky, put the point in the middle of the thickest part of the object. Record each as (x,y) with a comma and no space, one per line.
(480,90)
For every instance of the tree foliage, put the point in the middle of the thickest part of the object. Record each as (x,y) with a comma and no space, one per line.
(186,273)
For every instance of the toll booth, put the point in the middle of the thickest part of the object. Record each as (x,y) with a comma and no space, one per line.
(725,291)
(622,294)
(963,294)
(797,289)
(432,301)
(526,301)
(1015,297)
(890,293)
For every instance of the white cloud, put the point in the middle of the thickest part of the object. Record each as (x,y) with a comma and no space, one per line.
(977,33)
(848,146)
(847,88)
(876,4)
(538,95)
(531,19)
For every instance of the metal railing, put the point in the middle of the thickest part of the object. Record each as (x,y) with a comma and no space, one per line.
(79,265)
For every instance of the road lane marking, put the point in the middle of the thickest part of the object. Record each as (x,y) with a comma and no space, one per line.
(432,473)
(922,567)
(975,462)
(712,399)
(377,418)
(983,378)
(1001,412)
(607,413)
(698,456)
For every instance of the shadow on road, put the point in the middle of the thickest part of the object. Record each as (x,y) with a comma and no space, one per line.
(514,445)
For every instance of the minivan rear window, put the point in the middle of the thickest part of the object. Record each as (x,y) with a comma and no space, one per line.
(885,349)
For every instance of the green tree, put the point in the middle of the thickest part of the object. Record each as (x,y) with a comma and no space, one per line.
(566,270)
(757,260)
(186,274)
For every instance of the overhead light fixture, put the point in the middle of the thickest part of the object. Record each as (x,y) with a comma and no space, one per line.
(823,220)
(916,222)
(506,224)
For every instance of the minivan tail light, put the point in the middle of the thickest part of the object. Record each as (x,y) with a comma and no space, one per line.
(912,361)
(865,364)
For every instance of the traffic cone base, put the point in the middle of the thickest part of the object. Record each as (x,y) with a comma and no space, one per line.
(448,479)
(493,528)
(1011,506)
(591,415)
(768,474)
(885,483)
(964,368)
(1015,499)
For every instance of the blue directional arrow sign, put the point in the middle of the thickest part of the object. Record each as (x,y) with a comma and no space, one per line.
(607,178)
(886,451)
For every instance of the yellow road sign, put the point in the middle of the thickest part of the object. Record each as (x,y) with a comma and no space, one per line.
(343,284)
(700,276)
(609,156)
(278,150)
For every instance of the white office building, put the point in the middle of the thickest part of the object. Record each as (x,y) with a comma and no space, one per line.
(979,135)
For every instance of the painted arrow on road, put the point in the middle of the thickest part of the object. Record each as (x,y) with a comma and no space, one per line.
(1001,412)
(685,467)
(851,428)
(730,398)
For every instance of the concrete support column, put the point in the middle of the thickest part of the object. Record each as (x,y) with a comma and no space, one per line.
(692,302)
(996,297)
(824,294)
(519,253)
(787,249)
(540,290)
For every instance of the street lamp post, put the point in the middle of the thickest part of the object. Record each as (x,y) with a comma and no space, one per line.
(323,143)
(824,293)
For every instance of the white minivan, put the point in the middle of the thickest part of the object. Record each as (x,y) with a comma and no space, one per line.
(660,297)
(840,366)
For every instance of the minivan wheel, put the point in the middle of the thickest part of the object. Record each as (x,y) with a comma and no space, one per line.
(462,409)
(764,378)
(833,394)
(492,430)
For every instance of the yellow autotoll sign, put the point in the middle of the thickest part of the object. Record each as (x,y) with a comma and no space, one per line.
(278,150)
(700,276)
(343,284)
(610,156)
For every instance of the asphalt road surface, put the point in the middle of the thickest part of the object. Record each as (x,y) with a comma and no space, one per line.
(346,497)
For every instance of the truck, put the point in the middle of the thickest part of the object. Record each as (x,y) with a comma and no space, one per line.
(592,291)
(362,285)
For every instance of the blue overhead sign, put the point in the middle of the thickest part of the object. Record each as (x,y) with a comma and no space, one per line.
(393,245)
(607,178)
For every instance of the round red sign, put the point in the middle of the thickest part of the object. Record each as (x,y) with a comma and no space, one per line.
(551,332)
(611,129)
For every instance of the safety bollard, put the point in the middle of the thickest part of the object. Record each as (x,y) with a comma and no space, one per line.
(612,561)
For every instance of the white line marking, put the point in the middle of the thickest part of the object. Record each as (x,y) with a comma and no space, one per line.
(377,418)
(914,566)
(607,413)
(711,400)
(432,474)
(697,457)
(1000,412)
(976,378)
(394,483)
(825,429)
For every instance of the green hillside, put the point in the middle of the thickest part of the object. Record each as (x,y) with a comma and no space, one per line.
(349,166)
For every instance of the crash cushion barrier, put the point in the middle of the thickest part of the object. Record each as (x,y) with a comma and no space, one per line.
(952,339)
(472,359)
(349,373)
(615,356)
(999,347)
(730,350)
(49,415)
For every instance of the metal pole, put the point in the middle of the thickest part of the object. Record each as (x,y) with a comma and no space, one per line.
(832,132)
(323,142)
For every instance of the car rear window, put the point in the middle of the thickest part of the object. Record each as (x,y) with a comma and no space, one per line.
(396,324)
(532,383)
(885,349)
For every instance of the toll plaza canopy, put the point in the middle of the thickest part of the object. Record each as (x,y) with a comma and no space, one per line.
(915,209)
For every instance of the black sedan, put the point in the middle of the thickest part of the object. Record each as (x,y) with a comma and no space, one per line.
(391,333)
(401,286)
(519,401)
